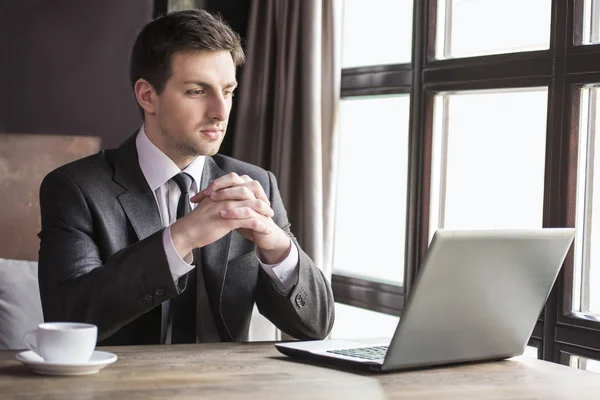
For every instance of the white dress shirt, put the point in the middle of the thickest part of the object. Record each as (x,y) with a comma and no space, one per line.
(158,169)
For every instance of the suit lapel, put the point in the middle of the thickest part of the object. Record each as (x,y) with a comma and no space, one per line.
(215,255)
(137,200)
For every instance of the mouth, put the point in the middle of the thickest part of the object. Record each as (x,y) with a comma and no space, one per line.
(212,133)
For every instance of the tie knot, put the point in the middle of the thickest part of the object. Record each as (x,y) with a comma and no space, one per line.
(184,181)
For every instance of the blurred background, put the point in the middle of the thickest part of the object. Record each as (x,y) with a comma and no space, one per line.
(383,120)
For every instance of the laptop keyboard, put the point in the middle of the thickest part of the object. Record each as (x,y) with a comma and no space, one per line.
(366,353)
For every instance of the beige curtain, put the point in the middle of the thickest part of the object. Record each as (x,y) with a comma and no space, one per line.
(286,117)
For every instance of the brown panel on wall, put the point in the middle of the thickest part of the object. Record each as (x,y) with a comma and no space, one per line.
(24,162)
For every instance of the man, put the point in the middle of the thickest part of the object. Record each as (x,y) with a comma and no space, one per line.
(162,240)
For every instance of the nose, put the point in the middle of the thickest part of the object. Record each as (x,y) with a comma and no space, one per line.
(219,108)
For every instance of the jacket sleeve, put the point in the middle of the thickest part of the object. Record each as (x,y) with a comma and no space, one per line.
(76,284)
(307,312)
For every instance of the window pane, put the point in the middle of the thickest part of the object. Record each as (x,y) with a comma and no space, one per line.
(587,364)
(371,201)
(478,27)
(531,351)
(376,32)
(590,25)
(358,323)
(488,158)
(586,279)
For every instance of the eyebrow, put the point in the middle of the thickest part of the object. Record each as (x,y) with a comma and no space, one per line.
(230,85)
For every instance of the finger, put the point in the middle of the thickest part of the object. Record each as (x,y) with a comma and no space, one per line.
(234,208)
(198,197)
(254,224)
(233,193)
(241,213)
(254,186)
(231,179)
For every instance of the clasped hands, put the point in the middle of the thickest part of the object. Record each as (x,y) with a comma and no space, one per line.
(232,202)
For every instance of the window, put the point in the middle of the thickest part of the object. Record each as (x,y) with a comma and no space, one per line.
(499,132)
(584,363)
(468,28)
(531,351)
(373,32)
(367,228)
(372,174)
(586,278)
(488,158)
(590,21)
(357,323)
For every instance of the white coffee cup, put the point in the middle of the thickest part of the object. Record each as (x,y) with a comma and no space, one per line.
(63,342)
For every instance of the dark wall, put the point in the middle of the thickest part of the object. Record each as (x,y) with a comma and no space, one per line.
(68,66)
(3,61)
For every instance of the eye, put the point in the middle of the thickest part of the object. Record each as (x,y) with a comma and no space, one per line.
(228,93)
(196,92)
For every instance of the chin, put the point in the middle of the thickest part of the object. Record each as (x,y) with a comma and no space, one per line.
(211,152)
(207,150)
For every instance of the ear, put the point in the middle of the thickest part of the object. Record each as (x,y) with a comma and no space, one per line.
(145,95)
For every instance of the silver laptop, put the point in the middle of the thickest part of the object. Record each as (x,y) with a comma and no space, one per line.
(477,297)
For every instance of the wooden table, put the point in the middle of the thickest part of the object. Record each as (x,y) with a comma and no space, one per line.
(257,371)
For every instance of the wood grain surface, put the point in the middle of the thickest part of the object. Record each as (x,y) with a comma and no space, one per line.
(257,371)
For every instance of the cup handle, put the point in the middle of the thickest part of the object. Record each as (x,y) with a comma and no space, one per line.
(30,340)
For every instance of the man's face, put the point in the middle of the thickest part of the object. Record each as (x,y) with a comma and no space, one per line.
(193,109)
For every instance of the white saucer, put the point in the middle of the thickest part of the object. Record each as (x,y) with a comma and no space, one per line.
(99,360)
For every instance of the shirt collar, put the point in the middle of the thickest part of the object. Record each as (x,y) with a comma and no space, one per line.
(158,168)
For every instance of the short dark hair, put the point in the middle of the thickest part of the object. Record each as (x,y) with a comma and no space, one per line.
(180,31)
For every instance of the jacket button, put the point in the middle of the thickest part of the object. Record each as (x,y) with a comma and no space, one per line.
(159,292)
(300,301)
(147,298)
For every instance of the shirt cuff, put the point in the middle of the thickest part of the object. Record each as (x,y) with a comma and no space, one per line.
(285,274)
(177,265)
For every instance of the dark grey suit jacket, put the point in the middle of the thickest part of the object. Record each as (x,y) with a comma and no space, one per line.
(102,259)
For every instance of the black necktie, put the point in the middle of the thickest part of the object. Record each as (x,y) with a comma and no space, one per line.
(184,181)
(181,312)
(174,309)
